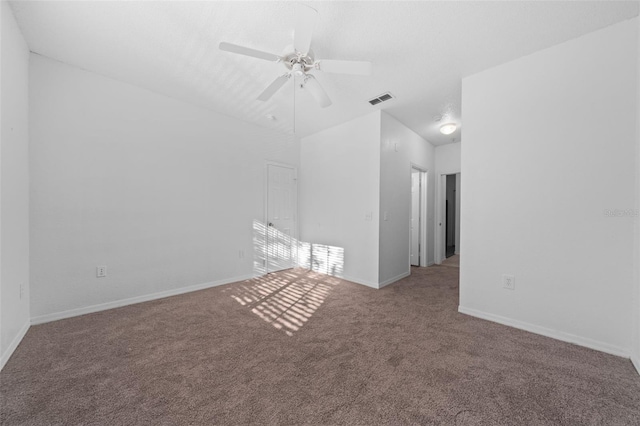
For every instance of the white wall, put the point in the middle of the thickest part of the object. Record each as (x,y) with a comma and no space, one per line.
(339,184)
(542,162)
(161,192)
(14,182)
(400,148)
(448,158)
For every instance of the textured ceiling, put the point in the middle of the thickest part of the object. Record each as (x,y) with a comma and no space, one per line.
(420,50)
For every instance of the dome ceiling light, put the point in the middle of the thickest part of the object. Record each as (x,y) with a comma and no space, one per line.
(448,128)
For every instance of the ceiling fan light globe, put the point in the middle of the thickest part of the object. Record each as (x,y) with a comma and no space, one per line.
(297,70)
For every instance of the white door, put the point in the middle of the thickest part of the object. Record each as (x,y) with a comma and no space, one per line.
(415,218)
(281,217)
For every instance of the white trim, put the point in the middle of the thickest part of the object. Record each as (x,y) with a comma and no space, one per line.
(636,363)
(394,279)
(133,300)
(14,344)
(439,240)
(440,202)
(424,218)
(358,281)
(423,231)
(454,172)
(548,332)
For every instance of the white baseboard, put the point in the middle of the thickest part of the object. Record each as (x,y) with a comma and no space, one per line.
(394,279)
(358,281)
(431,263)
(548,332)
(133,300)
(14,344)
(635,360)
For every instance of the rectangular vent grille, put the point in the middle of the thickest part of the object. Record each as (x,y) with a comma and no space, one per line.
(381,98)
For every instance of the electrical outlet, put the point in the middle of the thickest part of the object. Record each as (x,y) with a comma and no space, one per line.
(101,271)
(241,254)
(509,282)
(368,216)
(21,291)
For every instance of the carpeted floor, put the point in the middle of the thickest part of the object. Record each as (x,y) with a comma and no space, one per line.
(453,261)
(301,348)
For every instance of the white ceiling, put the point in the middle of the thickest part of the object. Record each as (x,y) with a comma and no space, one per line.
(420,50)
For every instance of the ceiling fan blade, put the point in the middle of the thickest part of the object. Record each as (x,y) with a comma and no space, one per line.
(316,90)
(305,23)
(273,87)
(345,67)
(234,48)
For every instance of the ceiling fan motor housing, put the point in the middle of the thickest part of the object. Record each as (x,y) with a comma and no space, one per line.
(296,61)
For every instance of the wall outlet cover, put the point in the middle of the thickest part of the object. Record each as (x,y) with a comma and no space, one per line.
(101,271)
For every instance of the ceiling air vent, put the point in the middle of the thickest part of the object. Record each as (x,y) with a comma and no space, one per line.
(381,98)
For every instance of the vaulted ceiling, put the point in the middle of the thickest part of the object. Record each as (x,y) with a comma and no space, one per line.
(420,51)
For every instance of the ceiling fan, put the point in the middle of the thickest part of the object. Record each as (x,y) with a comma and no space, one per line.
(300,61)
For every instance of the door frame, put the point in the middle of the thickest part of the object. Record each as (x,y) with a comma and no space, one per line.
(265,216)
(423,230)
(440,231)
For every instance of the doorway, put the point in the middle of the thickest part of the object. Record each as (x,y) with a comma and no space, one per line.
(418,228)
(450,216)
(448,236)
(281,211)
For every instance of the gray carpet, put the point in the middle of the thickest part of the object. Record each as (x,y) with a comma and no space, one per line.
(453,261)
(301,348)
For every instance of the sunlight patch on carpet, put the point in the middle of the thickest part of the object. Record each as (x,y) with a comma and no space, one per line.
(288,299)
